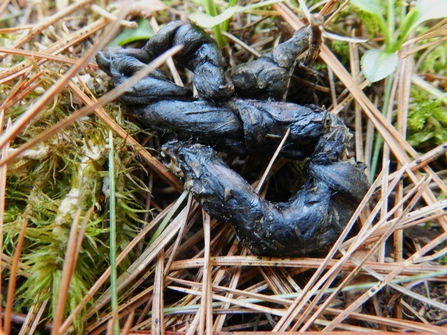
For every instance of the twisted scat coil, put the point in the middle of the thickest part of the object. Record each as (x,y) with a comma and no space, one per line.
(231,115)
(308,222)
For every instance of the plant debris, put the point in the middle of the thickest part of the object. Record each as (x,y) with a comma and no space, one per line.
(192,274)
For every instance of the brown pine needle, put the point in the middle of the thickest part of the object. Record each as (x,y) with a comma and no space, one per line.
(13,278)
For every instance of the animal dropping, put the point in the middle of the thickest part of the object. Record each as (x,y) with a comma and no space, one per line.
(242,111)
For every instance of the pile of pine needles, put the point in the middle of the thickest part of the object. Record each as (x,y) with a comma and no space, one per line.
(96,231)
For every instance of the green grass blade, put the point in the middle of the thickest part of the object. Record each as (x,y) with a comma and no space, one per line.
(112,217)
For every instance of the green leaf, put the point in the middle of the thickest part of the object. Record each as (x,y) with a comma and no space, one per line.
(207,21)
(369,6)
(112,219)
(429,10)
(259,5)
(377,64)
(407,25)
(143,32)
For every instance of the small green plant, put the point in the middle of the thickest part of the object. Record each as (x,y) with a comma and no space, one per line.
(143,32)
(378,64)
(219,22)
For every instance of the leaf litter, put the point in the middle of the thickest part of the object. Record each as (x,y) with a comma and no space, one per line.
(194,276)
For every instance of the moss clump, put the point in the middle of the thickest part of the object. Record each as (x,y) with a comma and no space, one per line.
(436,61)
(427,121)
(48,184)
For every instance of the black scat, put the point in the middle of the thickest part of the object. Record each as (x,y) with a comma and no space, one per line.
(200,54)
(207,53)
(211,81)
(197,120)
(266,122)
(162,40)
(268,77)
(247,127)
(109,60)
(259,79)
(120,66)
(309,222)
(285,55)
(192,38)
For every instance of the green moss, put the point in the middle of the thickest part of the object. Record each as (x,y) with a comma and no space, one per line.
(436,61)
(427,121)
(368,21)
(341,48)
(46,187)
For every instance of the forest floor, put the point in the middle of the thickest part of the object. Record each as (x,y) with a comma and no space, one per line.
(80,252)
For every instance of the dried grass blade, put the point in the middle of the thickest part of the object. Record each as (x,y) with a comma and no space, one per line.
(392,137)
(3,178)
(3,5)
(406,68)
(276,281)
(383,281)
(33,318)
(407,325)
(218,324)
(354,330)
(206,321)
(355,71)
(237,302)
(13,279)
(195,322)
(343,103)
(124,309)
(177,242)
(26,65)
(433,244)
(41,55)
(20,90)
(277,299)
(112,17)
(72,253)
(168,217)
(307,263)
(425,159)
(157,297)
(112,223)
(128,324)
(272,160)
(414,295)
(428,44)
(67,273)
